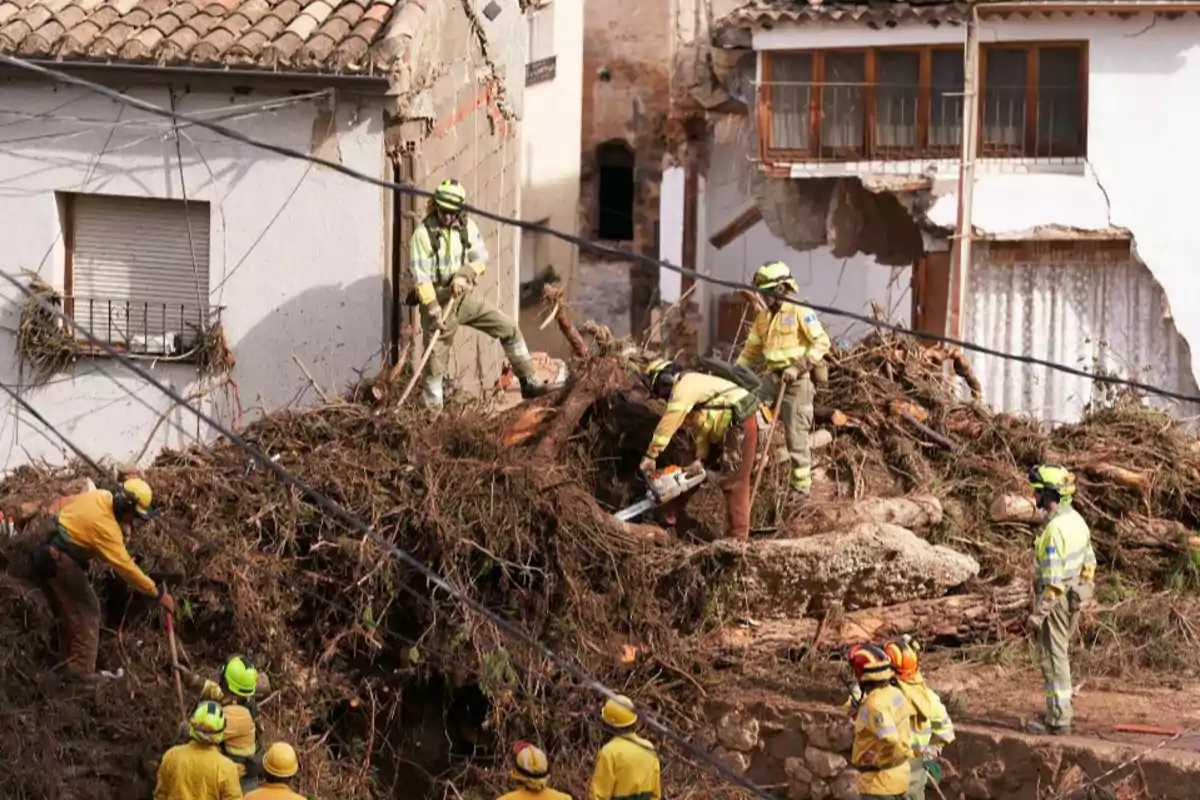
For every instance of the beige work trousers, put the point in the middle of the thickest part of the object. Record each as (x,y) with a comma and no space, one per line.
(474,312)
(797,418)
(1053,644)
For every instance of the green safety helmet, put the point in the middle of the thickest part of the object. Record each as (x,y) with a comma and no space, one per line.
(1056,481)
(207,723)
(450,196)
(772,275)
(239,677)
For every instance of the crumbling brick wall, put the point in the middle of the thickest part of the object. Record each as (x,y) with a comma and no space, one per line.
(626,97)
(469,109)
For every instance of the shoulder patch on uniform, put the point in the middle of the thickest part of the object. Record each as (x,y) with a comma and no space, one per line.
(788,319)
(810,319)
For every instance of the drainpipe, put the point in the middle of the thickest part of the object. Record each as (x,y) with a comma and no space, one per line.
(960,270)
(403,168)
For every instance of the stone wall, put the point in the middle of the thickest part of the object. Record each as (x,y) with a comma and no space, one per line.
(626,97)
(806,747)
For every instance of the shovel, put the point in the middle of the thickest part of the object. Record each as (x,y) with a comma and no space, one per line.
(175,664)
(766,442)
(416,376)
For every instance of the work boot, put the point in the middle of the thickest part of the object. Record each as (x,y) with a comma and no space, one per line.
(1040,728)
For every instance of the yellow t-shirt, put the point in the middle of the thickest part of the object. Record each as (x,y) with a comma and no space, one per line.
(195,771)
(89,522)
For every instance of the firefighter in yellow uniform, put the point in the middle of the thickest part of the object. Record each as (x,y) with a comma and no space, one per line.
(1065,580)
(197,770)
(627,767)
(89,526)
(531,771)
(790,342)
(448,255)
(723,419)
(280,766)
(932,729)
(882,727)
(238,683)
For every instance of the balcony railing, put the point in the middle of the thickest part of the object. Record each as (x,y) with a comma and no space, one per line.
(157,329)
(807,122)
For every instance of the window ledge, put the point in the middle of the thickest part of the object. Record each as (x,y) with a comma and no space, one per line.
(941,168)
(541,71)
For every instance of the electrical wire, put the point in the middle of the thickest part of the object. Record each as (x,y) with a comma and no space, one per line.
(335,510)
(33,412)
(73,80)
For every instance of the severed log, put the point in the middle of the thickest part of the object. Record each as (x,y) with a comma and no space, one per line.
(1013,508)
(1156,533)
(913,512)
(1118,475)
(830,416)
(554,297)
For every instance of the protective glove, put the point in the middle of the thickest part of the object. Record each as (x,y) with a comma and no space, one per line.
(1034,623)
(791,374)
(648,465)
(695,468)
(460,285)
(435,316)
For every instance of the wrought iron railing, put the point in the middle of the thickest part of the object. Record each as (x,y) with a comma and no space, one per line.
(885,121)
(138,327)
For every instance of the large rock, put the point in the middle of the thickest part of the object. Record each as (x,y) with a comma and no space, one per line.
(870,564)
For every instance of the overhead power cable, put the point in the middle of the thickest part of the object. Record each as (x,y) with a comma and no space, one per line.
(333,509)
(238,136)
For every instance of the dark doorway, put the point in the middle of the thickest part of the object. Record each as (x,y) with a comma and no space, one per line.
(615,159)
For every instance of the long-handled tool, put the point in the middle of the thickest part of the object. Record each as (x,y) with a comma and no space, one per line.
(765,443)
(664,486)
(416,376)
(175,664)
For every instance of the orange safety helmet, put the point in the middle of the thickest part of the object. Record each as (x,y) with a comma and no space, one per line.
(902,652)
(871,664)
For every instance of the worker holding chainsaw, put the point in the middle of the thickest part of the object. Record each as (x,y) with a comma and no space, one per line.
(448,255)
(724,421)
(932,728)
(790,342)
(1066,575)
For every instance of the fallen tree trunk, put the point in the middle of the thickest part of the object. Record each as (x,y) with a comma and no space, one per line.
(1153,532)
(959,619)
(1013,508)
(861,567)
(914,512)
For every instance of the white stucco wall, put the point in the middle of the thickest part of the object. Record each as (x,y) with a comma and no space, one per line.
(845,283)
(298,254)
(1141,149)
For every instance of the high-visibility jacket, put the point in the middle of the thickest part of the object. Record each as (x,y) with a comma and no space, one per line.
(706,405)
(931,722)
(274,791)
(1063,552)
(780,339)
(196,771)
(87,528)
(883,742)
(525,794)
(627,768)
(436,253)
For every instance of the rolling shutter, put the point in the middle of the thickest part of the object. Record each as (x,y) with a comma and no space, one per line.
(134,276)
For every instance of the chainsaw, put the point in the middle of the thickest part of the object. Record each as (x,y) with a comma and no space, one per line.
(665,486)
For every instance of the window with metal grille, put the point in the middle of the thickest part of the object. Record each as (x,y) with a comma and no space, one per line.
(137,271)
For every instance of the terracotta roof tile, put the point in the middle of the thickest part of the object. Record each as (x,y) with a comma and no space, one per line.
(324,36)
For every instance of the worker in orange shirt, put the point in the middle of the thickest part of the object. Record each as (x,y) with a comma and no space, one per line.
(87,527)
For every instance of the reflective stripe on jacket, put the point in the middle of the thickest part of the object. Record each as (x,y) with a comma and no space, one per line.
(780,339)
(883,742)
(1063,552)
(433,268)
(705,405)
(932,725)
(627,768)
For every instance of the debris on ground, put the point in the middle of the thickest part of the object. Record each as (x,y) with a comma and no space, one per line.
(383,681)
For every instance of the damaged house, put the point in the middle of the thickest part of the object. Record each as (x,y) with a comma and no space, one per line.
(1017,175)
(173,243)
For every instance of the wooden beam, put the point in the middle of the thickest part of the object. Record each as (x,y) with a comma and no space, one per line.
(736,227)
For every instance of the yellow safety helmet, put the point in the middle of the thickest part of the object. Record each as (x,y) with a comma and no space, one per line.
(871,664)
(280,761)
(138,494)
(660,376)
(530,765)
(239,677)
(207,723)
(1056,481)
(619,713)
(772,275)
(450,196)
